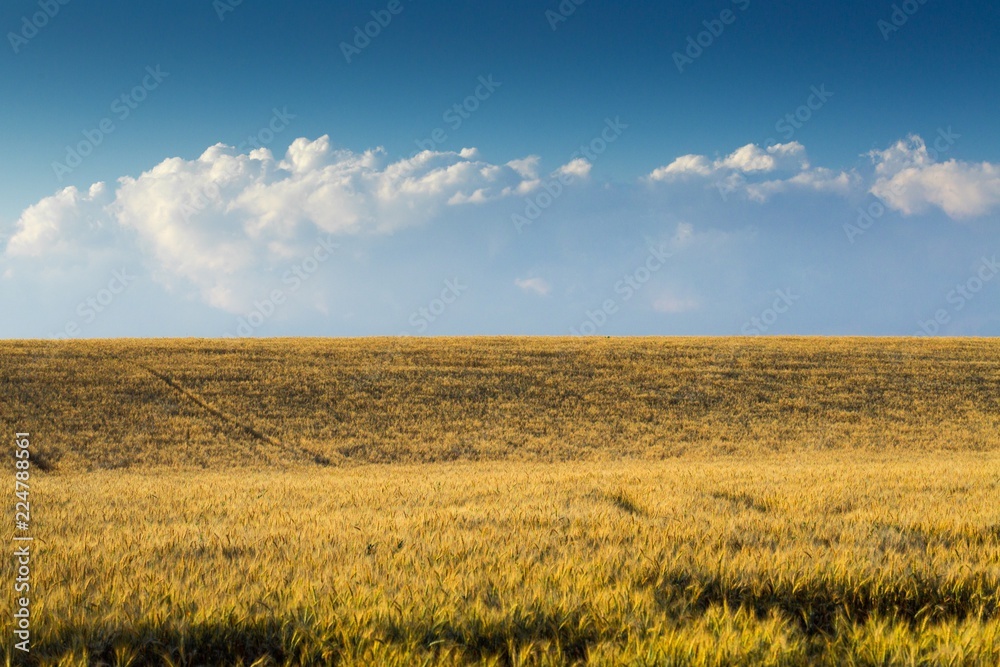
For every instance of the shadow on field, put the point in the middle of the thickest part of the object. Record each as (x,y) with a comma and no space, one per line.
(819,603)
(817,608)
(308,640)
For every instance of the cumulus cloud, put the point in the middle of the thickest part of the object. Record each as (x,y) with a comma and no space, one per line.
(536,285)
(578,168)
(746,160)
(905,153)
(817,180)
(751,158)
(221,226)
(697,165)
(526,167)
(757,172)
(61,223)
(910,180)
(211,222)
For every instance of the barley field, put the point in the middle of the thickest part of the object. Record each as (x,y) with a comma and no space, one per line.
(509,501)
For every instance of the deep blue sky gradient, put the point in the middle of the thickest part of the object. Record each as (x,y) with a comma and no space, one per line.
(608,59)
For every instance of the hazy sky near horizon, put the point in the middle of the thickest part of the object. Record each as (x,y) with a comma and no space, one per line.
(218,168)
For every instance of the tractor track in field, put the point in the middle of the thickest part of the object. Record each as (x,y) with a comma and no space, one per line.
(233,421)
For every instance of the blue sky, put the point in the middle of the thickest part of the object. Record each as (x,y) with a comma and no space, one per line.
(212,168)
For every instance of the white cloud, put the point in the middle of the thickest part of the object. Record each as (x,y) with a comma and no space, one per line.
(536,285)
(578,168)
(817,180)
(216,222)
(526,167)
(905,153)
(697,165)
(61,223)
(751,170)
(746,160)
(910,181)
(907,177)
(751,158)
(223,227)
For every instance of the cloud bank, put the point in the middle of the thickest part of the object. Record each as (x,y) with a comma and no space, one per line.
(757,172)
(214,221)
(219,227)
(911,181)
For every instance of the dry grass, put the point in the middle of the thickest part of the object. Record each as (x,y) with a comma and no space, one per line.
(204,404)
(646,502)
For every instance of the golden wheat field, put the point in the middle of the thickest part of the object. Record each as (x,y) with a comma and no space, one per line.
(509,501)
